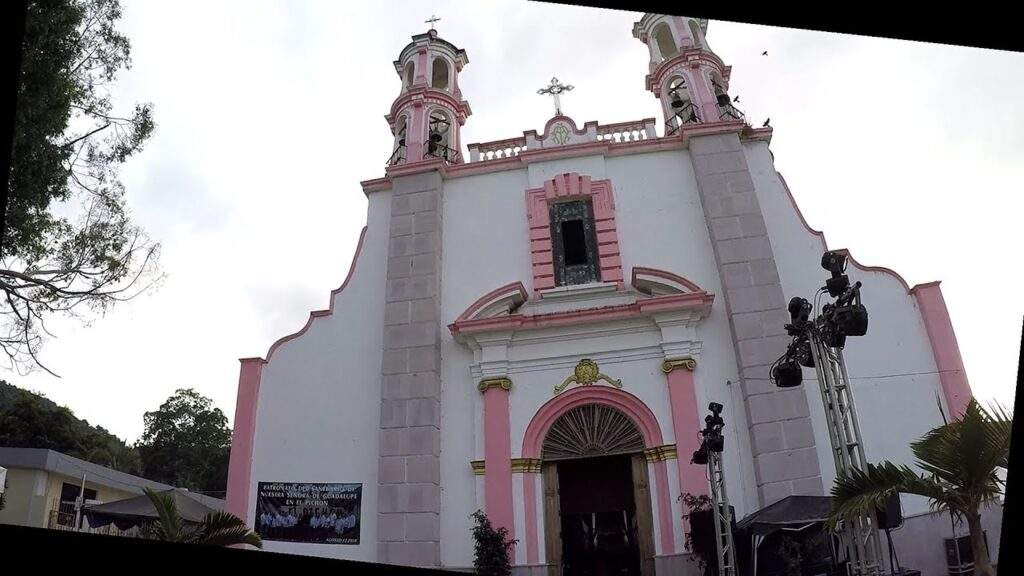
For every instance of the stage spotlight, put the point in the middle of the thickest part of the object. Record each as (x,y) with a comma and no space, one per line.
(799,309)
(802,353)
(787,374)
(716,443)
(701,455)
(835,263)
(852,319)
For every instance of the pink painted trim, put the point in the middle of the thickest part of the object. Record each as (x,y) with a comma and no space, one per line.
(668,541)
(607,148)
(643,270)
(376,185)
(952,377)
(498,458)
(319,313)
(416,167)
(860,266)
(530,517)
(240,460)
(691,301)
(685,424)
(631,406)
(824,244)
(496,294)
(688,58)
(573,185)
(426,94)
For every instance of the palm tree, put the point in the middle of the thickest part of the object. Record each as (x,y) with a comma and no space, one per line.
(960,459)
(217,528)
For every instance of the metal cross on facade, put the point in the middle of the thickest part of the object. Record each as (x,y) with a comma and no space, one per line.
(432,20)
(555,89)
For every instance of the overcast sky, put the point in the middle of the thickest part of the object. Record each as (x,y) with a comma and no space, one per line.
(270,113)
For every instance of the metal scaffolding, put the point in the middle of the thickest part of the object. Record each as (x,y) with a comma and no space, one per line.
(723,516)
(860,537)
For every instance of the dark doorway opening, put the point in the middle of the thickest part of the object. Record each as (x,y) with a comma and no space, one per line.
(598,517)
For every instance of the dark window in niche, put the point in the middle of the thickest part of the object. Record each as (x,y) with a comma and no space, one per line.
(574,243)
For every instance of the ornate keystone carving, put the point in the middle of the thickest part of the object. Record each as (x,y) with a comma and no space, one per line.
(586,373)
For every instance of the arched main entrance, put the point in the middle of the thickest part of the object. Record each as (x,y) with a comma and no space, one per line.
(597,504)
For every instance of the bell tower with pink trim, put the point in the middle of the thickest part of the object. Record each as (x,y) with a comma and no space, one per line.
(426,117)
(688,78)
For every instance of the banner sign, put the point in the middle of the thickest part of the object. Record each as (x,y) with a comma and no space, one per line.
(311,513)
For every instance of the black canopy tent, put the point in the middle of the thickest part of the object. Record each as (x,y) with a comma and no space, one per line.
(792,514)
(132,512)
(789,512)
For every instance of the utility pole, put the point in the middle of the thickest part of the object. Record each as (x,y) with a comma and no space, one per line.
(78,504)
(818,343)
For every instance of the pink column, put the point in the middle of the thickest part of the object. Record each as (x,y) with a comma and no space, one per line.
(240,463)
(422,74)
(685,423)
(705,95)
(497,454)
(417,133)
(952,377)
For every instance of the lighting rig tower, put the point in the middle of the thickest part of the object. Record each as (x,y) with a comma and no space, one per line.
(710,453)
(818,343)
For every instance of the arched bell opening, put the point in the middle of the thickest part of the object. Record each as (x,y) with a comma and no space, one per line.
(440,142)
(399,153)
(681,109)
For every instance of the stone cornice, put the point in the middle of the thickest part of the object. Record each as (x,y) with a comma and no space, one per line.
(678,141)
(688,58)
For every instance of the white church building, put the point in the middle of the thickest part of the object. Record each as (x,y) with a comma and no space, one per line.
(535,326)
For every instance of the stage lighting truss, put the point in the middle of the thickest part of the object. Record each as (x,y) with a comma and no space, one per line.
(818,343)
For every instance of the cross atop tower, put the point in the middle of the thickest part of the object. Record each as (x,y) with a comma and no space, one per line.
(431,21)
(555,89)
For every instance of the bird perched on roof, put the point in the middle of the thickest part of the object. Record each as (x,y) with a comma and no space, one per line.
(736,99)
(766,123)
(765,53)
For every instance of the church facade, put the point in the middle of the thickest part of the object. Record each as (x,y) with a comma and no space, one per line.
(534,327)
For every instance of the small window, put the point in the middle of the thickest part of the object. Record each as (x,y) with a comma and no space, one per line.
(574,243)
(410,68)
(439,75)
(666,44)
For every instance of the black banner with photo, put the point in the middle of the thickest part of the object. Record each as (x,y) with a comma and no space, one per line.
(306,512)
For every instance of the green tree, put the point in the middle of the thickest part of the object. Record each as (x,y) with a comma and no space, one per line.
(217,528)
(29,420)
(492,547)
(69,243)
(186,443)
(960,460)
(28,424)
(115,453)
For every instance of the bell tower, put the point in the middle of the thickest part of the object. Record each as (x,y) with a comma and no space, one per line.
(688,78)
(426,117)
